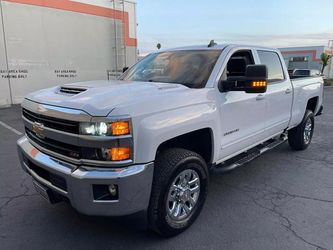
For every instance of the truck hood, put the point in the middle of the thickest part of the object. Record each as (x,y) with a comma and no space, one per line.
(99,98)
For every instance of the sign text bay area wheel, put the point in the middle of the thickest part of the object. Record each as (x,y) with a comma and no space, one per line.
(179,191)
(299,138)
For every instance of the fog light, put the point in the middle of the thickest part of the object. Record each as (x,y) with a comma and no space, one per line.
(113,190)
(105,192)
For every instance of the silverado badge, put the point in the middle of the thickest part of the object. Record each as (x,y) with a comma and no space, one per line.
(38,129)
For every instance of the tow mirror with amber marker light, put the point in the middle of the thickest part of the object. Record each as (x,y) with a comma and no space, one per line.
(254,81)
(256,78)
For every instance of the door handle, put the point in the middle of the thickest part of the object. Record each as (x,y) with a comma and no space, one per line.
(260,97)
(288,90)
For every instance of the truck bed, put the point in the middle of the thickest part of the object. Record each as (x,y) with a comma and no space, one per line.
(304,89)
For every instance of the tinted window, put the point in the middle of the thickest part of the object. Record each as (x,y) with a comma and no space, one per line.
(188,67)
(301,72)
(238,62)
(273,63)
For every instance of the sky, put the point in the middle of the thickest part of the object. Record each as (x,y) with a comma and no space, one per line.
(273,23)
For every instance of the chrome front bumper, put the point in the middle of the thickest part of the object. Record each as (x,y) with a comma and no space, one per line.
(134,182)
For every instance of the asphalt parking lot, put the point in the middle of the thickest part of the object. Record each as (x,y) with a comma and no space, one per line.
(281,200)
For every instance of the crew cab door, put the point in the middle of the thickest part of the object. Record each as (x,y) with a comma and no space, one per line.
(279,93)
(242,115)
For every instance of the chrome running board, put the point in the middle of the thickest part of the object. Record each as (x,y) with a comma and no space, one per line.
(249,155)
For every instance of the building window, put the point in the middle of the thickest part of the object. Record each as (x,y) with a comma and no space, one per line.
(299,59)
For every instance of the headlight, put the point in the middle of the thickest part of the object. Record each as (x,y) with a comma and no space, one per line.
(105,128)
(118,149)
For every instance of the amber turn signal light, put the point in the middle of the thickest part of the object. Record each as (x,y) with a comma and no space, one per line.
(120,128)
(120,154)
(259,84)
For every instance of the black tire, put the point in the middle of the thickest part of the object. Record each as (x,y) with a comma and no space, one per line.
(296,137)
(169,164)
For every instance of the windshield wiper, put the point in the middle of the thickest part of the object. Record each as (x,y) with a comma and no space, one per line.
(185,84)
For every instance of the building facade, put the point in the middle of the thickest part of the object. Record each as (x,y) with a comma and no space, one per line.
(307,58)
(45,43)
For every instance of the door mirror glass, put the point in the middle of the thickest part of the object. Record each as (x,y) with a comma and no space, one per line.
(254,81)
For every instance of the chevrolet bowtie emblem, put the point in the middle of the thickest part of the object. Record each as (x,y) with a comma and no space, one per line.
(38,129)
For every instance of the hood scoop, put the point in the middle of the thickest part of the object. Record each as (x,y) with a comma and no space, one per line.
(70,90)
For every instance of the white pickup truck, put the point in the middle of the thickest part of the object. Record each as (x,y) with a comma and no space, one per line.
(148,141)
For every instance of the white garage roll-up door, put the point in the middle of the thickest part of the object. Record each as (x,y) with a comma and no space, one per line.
(51,43)
(5,96)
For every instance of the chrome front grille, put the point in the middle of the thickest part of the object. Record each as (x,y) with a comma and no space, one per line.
(51,122)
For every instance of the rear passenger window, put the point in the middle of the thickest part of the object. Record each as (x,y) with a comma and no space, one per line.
(273,63)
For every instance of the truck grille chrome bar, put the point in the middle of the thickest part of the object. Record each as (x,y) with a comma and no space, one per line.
(51,122)
(55,146)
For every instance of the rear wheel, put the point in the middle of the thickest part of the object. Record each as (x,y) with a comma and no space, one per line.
(179,191)
(300,137)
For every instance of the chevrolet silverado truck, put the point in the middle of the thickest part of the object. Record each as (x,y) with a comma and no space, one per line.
(149,140)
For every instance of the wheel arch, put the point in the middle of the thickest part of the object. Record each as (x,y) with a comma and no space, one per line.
(200,141)
(166,128)
(312,104)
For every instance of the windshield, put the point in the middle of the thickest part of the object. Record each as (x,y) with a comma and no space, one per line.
(191,68)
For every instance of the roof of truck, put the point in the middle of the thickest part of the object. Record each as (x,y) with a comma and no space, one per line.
(200,47)
(215,47)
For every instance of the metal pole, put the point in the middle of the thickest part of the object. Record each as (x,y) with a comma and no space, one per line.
(115,38)
(330,45)
(6,53)
(124,35)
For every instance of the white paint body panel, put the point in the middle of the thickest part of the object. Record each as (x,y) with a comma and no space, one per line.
(162,111)
(304,89)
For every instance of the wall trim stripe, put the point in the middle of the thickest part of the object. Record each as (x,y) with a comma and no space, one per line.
(85,9)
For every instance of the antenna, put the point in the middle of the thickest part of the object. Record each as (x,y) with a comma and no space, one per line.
(212,43)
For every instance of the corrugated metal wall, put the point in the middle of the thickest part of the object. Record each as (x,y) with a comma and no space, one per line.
(54,42)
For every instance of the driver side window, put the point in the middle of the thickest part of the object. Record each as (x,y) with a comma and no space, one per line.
(237,64)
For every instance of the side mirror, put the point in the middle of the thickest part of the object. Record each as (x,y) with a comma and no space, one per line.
(124,69)
(254,81)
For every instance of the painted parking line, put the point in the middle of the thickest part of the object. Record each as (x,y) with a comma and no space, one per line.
(10,128)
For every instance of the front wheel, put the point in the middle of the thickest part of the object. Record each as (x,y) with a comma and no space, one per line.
(300,137)
(179,191)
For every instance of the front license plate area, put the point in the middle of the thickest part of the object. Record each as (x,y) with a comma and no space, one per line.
(46,192)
